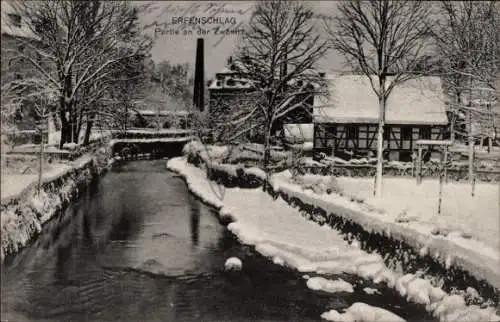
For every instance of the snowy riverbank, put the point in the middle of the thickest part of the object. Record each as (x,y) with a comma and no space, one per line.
(282,233)
(24,211)
(449,248)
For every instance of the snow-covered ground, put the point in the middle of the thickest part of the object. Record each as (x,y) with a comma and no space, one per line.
(95,135)
(12,185)
(282,233)
(475,256)
(404,200)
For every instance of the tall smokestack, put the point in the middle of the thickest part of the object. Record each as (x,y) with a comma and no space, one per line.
(199,77)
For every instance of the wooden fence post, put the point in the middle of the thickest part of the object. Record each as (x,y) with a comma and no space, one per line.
(419,165)
(441,177)
(446,164)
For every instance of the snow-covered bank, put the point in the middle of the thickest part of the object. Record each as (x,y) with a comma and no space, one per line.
(361,312)
(23,213)
(13,186)
(475,257)
(282,233)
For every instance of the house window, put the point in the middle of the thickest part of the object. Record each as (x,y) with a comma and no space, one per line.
(14,19)
(425,133)
(387,132)
(351,132)
(325,136)
(406,132)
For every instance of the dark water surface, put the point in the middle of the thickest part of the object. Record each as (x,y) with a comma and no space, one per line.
(139,247)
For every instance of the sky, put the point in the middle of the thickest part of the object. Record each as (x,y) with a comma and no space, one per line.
(162,21)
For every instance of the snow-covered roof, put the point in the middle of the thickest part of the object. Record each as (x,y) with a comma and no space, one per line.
(302,131)
(8,28)
(227,71)
(237,83)
(352,100)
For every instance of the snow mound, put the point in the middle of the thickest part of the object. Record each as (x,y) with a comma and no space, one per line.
(278,261)
(330,286)
(70,146)
(371,291)
(258,172)
(233,263)
(361,312)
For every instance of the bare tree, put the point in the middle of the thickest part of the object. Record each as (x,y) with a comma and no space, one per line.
(30,92)
(10,106)
(175,81)
(76,44)
(231,121)
(387,41)
(278,56)
(467,38)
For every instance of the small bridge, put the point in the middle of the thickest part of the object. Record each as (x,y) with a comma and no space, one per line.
(150,144)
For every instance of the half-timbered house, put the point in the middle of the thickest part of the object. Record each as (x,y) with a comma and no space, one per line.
(346,120)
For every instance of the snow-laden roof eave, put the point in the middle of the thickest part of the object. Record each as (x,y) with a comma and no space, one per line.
(352,100)
(21,35)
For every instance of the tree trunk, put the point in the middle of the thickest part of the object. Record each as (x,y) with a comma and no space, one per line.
(66,106)
(88,130)
(442,167)
(446,164)
(74,128)
(267,149)
(40,165)
(267,154)
(125,121)
(380,148)
(470,140)
(64,124)
(80,123)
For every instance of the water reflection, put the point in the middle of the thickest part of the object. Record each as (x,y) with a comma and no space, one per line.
(194,207)
(139,247)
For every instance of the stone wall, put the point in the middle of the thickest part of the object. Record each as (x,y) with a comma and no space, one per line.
(23,216)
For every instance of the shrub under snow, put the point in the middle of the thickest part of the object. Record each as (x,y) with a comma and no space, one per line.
(319,184)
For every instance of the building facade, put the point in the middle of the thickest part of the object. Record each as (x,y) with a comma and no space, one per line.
(231,91)
(17,41)
(346,122)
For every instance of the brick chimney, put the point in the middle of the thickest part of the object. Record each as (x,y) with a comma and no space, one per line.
(199,77)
